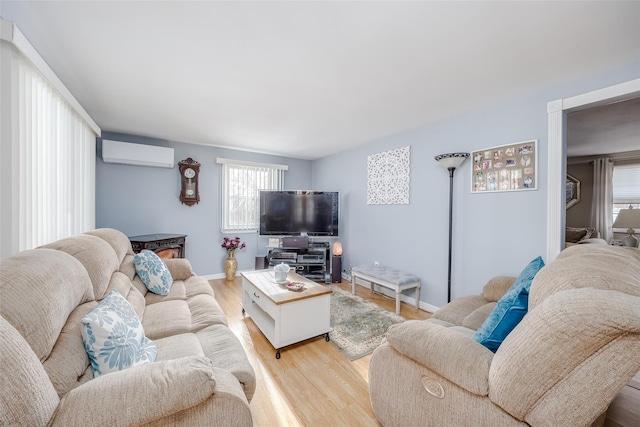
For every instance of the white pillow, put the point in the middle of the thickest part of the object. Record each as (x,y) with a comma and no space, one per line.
(113,336)
(153,272)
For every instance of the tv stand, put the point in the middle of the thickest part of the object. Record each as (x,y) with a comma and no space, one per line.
(311,262)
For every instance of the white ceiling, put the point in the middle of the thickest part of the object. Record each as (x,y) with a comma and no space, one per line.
(606,129)
(309,79)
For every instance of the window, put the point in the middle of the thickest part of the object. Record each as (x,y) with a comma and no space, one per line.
(48,153)
(626,187)
(57,161)
(241,183)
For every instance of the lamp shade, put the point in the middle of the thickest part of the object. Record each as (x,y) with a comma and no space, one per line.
(337,248)
(628,218)
(451,160)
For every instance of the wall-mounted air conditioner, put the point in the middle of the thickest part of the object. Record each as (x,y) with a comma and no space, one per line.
(128,153)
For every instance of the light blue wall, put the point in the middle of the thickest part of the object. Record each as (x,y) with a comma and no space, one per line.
(144,200)
(494,233)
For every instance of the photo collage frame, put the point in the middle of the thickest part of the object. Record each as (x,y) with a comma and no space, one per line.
(510,167)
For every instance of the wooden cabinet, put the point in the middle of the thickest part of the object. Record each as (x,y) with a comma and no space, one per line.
(165,245)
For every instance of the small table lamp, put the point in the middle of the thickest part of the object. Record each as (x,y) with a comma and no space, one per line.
(628,218)
(336,263)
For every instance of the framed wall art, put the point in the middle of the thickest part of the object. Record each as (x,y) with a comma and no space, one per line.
(572,193)
(388,177)
(511,167)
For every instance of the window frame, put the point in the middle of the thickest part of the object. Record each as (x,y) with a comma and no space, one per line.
(624,202)
(246,193)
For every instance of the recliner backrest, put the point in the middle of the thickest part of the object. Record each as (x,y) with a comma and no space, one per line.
(578,344)
(588,266)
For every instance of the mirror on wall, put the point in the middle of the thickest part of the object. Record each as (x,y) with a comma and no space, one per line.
(572,191)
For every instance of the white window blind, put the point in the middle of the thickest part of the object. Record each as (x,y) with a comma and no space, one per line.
(626,184)
(57,163)
(241,183)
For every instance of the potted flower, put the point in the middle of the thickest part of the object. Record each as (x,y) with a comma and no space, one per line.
(231,263)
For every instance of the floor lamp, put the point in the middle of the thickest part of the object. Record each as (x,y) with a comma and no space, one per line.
(451,161)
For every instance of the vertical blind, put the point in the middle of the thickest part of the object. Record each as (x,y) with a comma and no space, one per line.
(57,163)
(241,184)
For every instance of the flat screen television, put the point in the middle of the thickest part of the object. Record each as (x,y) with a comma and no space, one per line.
(298,212)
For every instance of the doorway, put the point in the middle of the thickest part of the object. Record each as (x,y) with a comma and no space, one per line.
(557,168)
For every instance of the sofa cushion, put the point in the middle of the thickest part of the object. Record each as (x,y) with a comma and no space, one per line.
(177,346)
(39,288)
(605,267)
(180,268)
(456,311)
(28,397)
(219,345)
(68,364)
(575,234)
(182,290)
(509,310)
(96,255)
(496,287)
(192,315)
(114,338)
(153,272)
(476,318)
(225,351)
(158,325)
(116,239)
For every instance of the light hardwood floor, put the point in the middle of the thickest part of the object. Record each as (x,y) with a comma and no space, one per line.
(312,384)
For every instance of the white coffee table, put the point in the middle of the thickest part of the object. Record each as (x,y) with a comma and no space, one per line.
(286,317)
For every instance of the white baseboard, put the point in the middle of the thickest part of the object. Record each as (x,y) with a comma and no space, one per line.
(214,276)
(222,275)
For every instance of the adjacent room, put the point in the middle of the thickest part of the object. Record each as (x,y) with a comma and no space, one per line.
(318,213)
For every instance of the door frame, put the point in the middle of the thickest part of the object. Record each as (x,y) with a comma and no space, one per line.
(557,157)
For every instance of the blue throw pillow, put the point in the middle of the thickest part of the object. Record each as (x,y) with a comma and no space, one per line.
(153,272)
(509,310)
(113,336)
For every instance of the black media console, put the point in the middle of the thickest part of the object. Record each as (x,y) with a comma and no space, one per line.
(311,262)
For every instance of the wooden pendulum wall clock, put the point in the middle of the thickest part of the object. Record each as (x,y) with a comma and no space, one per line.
(189,170)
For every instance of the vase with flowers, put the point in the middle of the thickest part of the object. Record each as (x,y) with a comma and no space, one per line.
(231,263)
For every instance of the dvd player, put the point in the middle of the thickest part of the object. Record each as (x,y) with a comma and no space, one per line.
(284,255)
(319,258)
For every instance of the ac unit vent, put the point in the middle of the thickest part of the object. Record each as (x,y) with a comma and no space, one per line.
(127,153)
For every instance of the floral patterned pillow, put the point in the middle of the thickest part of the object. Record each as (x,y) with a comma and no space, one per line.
(113,336)
(153,272)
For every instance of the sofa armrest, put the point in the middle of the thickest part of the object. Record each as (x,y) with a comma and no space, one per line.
(497,287)
(447,352)
(180,268)
(457,310)
(138,395)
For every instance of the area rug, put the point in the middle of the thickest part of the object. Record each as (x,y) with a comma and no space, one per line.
(358,325)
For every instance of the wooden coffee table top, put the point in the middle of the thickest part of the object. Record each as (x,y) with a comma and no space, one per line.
(279,294)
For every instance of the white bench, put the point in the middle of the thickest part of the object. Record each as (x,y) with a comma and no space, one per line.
(388,278)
